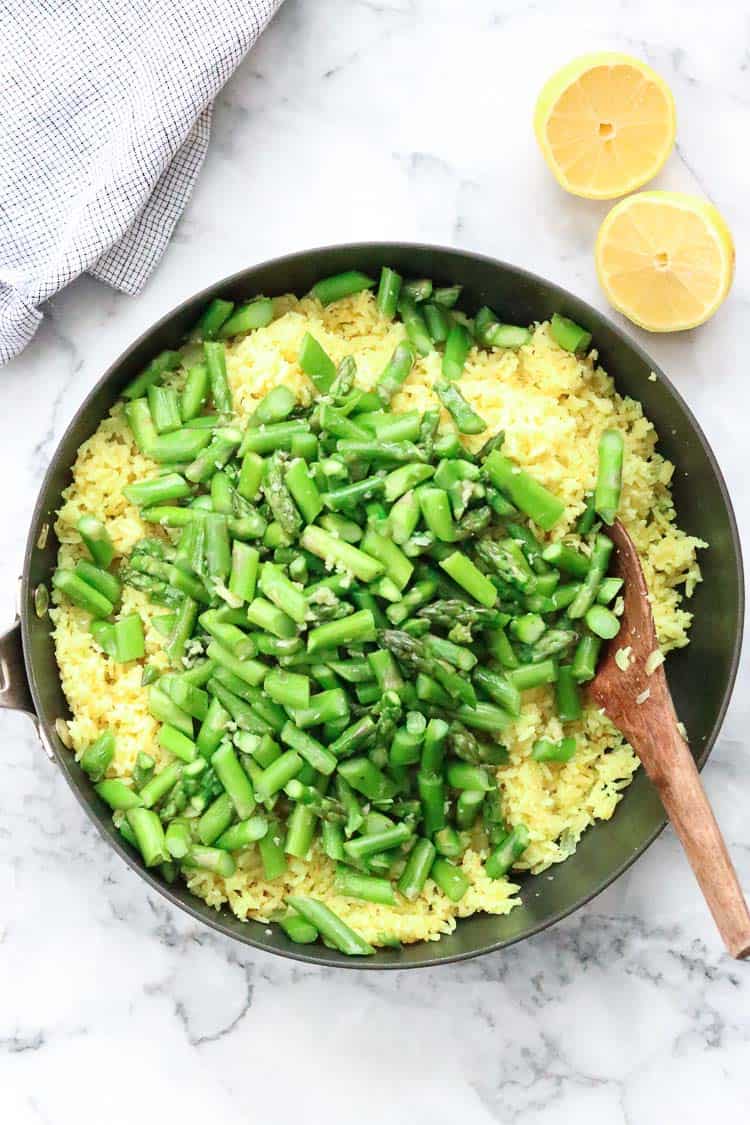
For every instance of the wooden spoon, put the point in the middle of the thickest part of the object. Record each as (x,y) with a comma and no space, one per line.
(650,727)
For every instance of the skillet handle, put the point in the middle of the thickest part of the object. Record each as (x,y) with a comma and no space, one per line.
(15,694)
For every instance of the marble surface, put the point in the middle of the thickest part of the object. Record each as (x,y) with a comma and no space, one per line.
(366,119)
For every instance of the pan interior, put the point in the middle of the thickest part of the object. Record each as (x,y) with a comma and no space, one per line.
(703,509)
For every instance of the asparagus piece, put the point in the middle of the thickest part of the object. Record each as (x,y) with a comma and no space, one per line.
(325,808)
(396,372)
(457,347)
(467,807)
(507,852)
(418,289)
(388,292)
(466,419)
(438,322)
(412,652)
(278,774)
(212,318)
(98,756)
(273,437)
(303,490)
(465,574)
(213,453)
(600,556)
(316,364)
(103,633)
(283,593)
(149,835)
(609,478)
(332,550)
(165,361)
(101,580)
(506,559)
(450,879)
(363,847)
(583,667)
(290,689)
(298,930)
(552,643)
(527,494)
(490,332)
(448,612)
(246,318)
(309,748)
(118,796)
(330,289)
(544,750)
(568,334)
(165,409)
(431,791)
(97,541)
(234,779)
(416,329)
(178,838)
(80,593)
(566,695)
(368,887)
(608,590)
(129,640)
(279,497)
(602,622)
(499,689)
(349,496)
(160,784)
(215,860)
(367,779)
(215,356)
(566,558)
(329,925)
(436,513)
(177,743)
(417,870)
(390,427)
(272,852)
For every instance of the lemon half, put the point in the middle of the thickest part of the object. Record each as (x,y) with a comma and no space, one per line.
(605,124)
(665,259)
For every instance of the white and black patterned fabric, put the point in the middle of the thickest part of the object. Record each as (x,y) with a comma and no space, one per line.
(105,114)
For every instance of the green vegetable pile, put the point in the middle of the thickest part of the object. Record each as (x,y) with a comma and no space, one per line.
(354,606)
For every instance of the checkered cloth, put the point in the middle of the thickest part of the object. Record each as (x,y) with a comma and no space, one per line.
(104,123)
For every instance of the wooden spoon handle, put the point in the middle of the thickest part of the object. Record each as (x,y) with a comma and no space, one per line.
(673,771)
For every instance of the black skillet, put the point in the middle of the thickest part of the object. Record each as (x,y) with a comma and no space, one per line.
(700,677)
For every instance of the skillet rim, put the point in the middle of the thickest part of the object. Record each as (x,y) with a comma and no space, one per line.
(204,914)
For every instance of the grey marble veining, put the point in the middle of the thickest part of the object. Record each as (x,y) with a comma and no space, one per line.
(384,119)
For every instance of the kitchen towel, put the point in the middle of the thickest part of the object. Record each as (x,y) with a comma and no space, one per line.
(105,114)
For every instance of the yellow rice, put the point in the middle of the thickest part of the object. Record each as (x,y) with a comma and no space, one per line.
(553,407)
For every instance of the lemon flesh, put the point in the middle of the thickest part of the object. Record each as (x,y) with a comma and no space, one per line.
(605,124)
(665,259)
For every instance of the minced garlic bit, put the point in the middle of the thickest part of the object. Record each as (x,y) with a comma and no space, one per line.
(644,695)
(652,377)
(653,660)
(623,657)
(323,596)
(683,730)
(226,594)
(43,534)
